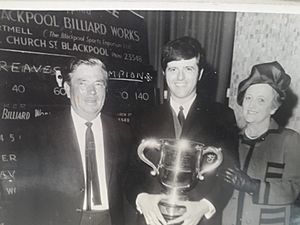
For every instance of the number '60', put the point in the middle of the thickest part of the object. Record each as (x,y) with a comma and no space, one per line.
(59,91)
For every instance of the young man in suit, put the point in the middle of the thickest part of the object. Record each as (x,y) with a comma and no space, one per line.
(83,154)
(204,122)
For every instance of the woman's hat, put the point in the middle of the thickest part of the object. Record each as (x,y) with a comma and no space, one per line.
(270,73)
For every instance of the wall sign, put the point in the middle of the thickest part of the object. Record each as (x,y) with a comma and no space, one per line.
(34,48)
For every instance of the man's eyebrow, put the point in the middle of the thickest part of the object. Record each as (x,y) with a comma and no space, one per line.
(100,80)
(81,79)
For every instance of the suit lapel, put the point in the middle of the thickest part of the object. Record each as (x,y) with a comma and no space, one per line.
(194,118)
(66,143)
(167,121)
(65,135)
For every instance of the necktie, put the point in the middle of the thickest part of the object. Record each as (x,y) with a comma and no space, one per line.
(181,116)
(92,179)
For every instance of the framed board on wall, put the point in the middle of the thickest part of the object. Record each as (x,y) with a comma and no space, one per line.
(35,46)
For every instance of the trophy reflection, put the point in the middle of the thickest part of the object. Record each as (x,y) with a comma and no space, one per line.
(181,164)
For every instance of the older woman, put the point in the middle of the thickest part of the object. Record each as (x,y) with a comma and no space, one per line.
(268,180)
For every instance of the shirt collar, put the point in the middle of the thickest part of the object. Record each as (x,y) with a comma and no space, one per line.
(79,120)
(186,105)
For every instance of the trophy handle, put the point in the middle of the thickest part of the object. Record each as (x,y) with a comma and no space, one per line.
(211,162)
(148,143)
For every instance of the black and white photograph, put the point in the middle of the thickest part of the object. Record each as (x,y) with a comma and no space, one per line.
(149,113)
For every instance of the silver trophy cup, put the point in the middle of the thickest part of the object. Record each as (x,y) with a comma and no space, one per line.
(181,164)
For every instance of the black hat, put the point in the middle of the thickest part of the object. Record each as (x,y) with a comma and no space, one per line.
(270,73)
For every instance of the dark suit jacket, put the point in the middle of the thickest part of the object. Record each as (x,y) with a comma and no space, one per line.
(61,186)
(210,124)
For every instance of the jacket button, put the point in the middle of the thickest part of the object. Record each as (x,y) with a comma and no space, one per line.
(81,189)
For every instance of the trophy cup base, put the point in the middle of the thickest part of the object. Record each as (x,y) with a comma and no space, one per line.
(171,211)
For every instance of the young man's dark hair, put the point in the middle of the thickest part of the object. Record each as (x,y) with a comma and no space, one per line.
(182,48)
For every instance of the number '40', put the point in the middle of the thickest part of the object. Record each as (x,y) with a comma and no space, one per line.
(18,88)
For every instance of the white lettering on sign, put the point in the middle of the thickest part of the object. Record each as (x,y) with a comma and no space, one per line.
(130,76)
(8,157)
(17,67)
(143,96)
(7,173)
(90,40)
(10,137)
(124,117)
(53,34)
(15,29)
(124,95)
(72,37)
(18,88)
(39,112)
(29,17)
(116,55)
(87,12)
(14,105)
(125,33)
(139,96)
(124,120)
(111,44)
(84,25)
(115,13)
(84,48)
(15,115)
(59,91)
(11,190)
(132,57)
(25,41)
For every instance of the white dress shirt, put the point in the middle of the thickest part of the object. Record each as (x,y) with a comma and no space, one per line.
(186,106)
(80,128)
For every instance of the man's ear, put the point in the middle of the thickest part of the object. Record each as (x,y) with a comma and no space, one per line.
(200,74)
(273,110)
(67,88)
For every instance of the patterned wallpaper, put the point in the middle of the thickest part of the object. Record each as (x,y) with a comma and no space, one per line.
(263,37)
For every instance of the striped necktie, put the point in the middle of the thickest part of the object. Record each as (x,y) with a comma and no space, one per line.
(181,116)
(92,179)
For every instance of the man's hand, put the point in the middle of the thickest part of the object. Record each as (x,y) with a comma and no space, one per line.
(147,204)
(240,180)
(195,210)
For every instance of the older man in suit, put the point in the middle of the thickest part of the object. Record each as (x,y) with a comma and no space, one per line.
(185,116)
(83,154)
